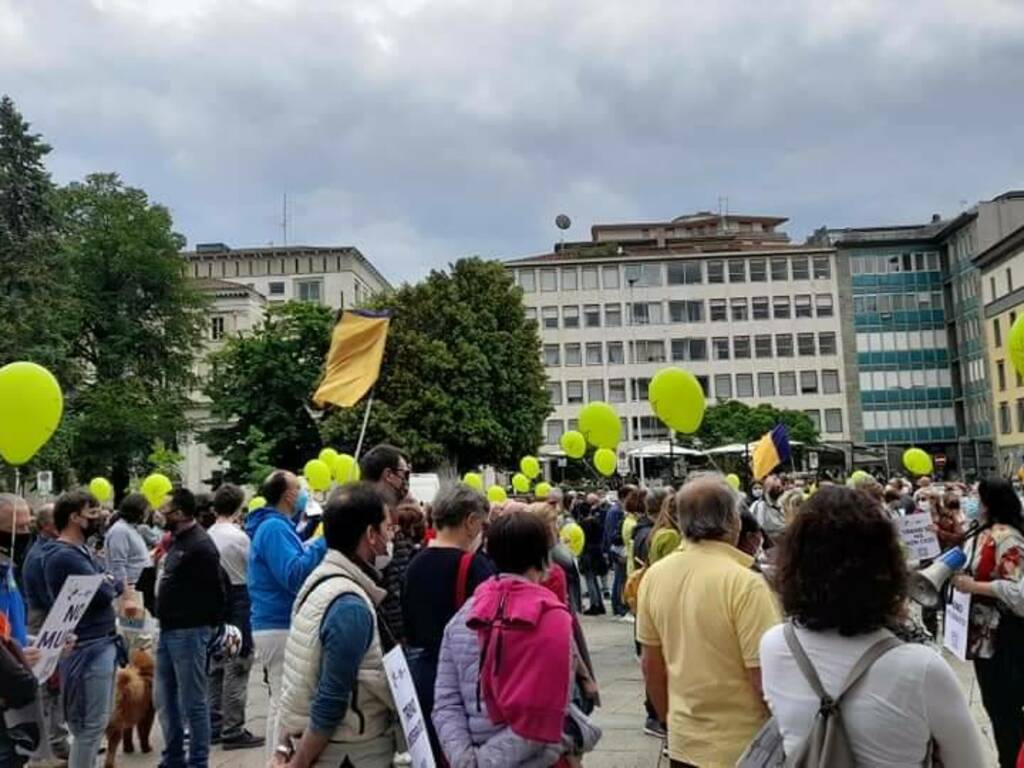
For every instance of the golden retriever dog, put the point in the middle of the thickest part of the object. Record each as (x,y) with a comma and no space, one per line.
(133,706)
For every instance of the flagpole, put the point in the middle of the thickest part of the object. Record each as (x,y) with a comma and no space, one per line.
(366,420)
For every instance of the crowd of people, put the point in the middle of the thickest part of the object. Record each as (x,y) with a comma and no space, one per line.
(748,611)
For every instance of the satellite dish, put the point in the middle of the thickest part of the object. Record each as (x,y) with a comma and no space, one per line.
(562,221)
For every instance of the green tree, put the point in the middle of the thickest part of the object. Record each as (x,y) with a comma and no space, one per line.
(735,422)
(259,385)
(462,380)
(139,326)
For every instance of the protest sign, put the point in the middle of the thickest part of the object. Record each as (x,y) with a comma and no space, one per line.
(74,598)
(921,543)
(956,623)
(409,713)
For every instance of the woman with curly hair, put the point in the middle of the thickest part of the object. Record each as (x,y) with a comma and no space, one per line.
(842,578)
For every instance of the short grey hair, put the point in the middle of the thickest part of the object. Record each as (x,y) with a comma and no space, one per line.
(454,505)
(707,508)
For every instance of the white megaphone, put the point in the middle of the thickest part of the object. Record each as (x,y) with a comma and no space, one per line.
(926,585)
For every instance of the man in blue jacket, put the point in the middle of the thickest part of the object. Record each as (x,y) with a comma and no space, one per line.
(278,564)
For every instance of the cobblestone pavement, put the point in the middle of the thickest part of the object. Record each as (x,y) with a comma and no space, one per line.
(621,715)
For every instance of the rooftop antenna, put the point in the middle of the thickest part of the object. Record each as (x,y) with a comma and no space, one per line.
(563,222)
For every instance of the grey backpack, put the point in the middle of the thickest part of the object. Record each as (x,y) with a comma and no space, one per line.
(826,745)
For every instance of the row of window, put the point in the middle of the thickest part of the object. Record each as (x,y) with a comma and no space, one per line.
(897,302)
(1001,376)
(726,386)
(251,267)
(683,272)
(761,346)
(881,264)
(1005,425)
(738,309)
(909,418)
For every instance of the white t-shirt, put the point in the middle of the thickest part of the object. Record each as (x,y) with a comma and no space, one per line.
(909,696)
(233,545)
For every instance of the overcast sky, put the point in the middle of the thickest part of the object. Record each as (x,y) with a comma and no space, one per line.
(424,130)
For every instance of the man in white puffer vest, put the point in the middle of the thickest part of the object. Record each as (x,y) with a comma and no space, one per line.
(336,707)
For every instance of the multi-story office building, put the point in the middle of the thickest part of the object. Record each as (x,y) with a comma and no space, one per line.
(339,277)
(729,298)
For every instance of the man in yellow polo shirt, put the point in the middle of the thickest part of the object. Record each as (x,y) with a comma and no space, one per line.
(701,615)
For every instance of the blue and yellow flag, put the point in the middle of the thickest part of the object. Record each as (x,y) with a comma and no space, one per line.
(771,450)
(353,361)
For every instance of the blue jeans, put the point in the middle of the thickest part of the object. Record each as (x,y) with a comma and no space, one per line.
(619,608)
(181,696)
(88,723)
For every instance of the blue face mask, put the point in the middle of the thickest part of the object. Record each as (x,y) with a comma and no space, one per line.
(970,508)
(300,505)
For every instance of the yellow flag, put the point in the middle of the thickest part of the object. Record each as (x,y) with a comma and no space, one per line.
(353,362)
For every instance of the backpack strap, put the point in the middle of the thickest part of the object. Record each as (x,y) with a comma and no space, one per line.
(462,579)
(868,658)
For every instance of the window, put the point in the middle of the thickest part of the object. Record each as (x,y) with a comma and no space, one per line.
(686,311)
(716,271)
(613,315)
(616,355)
(609,276)
(739,309)
(590,278)
(592,315)
(802,306)
(720,347)
(1009,280)
(997,333)
(551,355)
(723,386)
(689,349)
(549,317)
(555,392)
(744,385)
(784,345)
(616,390)
(787,383)
(758,270)
(595,390)
(1020,415)
(570,278)
(741,347)
(766,385)
(800,270)
(716,308)
(737,271)
(822,269)
(645,313)
(277,289)
(555,428)
(759,307)
(217,328)
(805,344)
(780,270)
(1001,375)
(815,417)
(643,275)
(781,307)
(1004,418)
(573,354)
(594,353)
(808,382)
(648,351)
(571,317)
(763,346)
(574,392)
(685,273)
(640,388)
(310,290)
(826,343)
(823,305)
(548,280)
(833,420)
(530,312)
(830,382)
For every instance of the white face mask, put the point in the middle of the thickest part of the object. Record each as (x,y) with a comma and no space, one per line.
(380,562)
(757,493)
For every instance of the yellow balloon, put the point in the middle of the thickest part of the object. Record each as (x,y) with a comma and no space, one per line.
(101,488)
(733,480)
(31,405)
(155,488)
(530,466)
(917,461)
(496,494)
(474,481)
(573,537)
(520,482)
(346,469)
(328,456)
(1015,344)
(256,502)
(542,490)
(317,474)
(677,399)
(605,461)
(574,444)
(600,425)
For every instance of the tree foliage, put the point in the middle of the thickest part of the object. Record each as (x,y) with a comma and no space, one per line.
(735,422)
(462,380)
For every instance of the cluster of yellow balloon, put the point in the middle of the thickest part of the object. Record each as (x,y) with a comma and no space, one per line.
(530,466)
(328,456)
(677,399)
(346,469)
(317,474)
(496,495)
(474,481)
(542,490)
(520,482)
(31,404)
(917,461)
(574,444)
(605,461)
(155,488)
(101,488)
(600,425)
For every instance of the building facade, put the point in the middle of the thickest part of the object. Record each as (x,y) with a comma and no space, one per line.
(729,298)
(339,277)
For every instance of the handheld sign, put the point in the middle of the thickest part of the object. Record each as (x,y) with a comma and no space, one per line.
(409,713)
(67,610)
(921,543)
(956,623)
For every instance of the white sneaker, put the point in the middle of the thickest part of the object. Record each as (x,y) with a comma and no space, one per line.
(402,759)
(628,618)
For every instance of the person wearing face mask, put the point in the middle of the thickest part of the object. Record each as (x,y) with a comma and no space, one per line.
(87,673)
(386,467)
(336,708)
(439,580)
(767,510)
(278,565)
(15,539)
